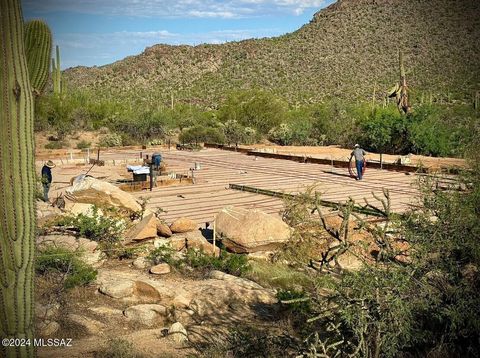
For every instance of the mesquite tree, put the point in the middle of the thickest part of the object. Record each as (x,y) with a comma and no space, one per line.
(17,180)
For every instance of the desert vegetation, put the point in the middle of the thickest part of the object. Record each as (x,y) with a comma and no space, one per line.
(252,116)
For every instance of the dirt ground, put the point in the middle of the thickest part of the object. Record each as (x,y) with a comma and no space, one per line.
(325,152)
(336,152)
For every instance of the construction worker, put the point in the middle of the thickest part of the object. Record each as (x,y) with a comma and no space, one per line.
(156,160)
(359,155)
(47,178)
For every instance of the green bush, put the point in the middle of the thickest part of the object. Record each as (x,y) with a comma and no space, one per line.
(83,144)
(200,134)
(229,263)
(297,301)
(424,307)
(55,260)
(258,109)
(97,227)
(111,140)
(162,254)
(232,264)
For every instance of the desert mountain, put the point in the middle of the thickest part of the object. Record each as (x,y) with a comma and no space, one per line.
(345,51)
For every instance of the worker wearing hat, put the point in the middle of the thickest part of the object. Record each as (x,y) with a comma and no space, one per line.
(47,178)
(359,155)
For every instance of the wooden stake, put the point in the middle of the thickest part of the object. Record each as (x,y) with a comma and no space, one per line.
(214,234)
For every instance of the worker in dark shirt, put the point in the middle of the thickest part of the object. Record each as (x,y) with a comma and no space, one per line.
(359,155)
(47,178)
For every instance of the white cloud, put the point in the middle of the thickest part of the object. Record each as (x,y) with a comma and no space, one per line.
(177,8)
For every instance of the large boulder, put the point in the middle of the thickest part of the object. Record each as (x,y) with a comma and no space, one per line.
(147,314)
(178,333)
(145,229)
(46,212)
(91,326)
(163,230)
(196,240)
(93,191)
(67,242)
(183,225)
(246,231)
(73,208)
(160,269)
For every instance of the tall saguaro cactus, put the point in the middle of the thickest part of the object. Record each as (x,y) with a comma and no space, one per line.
(38,46)
(56,73)
(17,180)
(400,90)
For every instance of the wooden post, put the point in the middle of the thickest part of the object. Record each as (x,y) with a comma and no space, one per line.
(151,177)
(381,161)
(214,234)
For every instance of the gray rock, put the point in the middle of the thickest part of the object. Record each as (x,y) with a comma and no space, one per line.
(253,230)
(67,242)
(106,311)
(146,314)
(90,325)
(118,289)
(178,333)
(160,269)
(47,328)
(141,263)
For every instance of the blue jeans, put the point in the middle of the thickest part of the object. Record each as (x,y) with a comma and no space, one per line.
(359,164)
(46,188)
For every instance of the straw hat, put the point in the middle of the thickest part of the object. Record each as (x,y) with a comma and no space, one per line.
(50,164)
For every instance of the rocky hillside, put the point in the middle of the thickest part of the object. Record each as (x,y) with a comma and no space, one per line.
(343,52)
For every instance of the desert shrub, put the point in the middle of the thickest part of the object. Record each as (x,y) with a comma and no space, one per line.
(58,261)
(56,145)
(163,254)
(282,134)
(118,348)
(297,301)
(252,342)
(443,130)
(258,109)
(110,140)
(200,134)
(422,307)
(97,227)
(232,264)
(141,127)
(386,131)
(83,144)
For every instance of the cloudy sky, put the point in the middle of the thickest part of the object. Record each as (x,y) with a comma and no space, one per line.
(98,32)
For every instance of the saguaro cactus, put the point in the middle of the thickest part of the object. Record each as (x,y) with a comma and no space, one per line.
(399,91)
(38,46)
(56,73)
(17,180)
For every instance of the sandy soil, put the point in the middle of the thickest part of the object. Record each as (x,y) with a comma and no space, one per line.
(336,152)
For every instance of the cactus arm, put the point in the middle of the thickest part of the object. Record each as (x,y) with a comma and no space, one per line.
(38,46)
(57,74)
(17,171)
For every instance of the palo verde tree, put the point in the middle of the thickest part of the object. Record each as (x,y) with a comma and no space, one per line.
(17,181)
